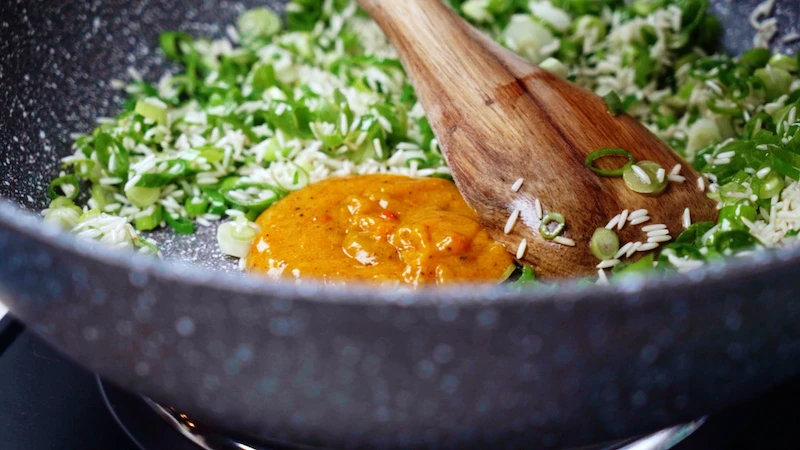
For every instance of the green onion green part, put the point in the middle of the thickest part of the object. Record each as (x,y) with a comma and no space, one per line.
(152,109)
(614,103)
(151,221)
(143,197)
(69,185)
(608,152)
(181,225)
(558,223)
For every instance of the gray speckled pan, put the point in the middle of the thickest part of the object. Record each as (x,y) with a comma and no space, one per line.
(357,367)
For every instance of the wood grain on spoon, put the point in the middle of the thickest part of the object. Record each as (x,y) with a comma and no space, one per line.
(499,118)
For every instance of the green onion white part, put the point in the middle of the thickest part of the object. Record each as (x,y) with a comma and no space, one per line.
(236,237)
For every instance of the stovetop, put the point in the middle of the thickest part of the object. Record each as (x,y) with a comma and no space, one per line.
(49,403)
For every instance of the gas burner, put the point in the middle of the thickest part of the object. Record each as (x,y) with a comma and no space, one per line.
(146,422)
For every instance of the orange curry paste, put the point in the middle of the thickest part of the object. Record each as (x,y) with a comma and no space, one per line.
(377,228)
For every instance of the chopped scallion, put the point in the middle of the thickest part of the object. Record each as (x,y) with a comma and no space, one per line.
(604,244)
(614,103)
(69,185)
(152,109)
(642,177)
(143,197)
(558,223)
(150,221)
(608,152)
(236,237)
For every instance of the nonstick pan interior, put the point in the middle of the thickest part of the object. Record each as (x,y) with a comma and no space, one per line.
(56,82)
(601,364)
(57,61)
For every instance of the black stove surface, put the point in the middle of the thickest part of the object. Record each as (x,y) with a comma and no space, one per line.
(47,402)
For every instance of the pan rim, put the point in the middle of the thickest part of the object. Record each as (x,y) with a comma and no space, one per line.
(643,286)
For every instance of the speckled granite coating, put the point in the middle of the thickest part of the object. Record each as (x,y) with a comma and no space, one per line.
(473,367)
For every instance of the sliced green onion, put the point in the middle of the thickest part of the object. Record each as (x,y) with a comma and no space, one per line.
(642,177)
(644,265)
(614,103)
(63,213)
(476,10)
(527,37)
(784,62)
(175,169)
(734,240)
(755,58)
(151,221)
(64,218)
(507,274)
(235,238)
(64,202)
(143,197)
(258,23)
(69,185)
(776,81)
(234,192)
(147,248)
(604,244)
(703,133)
(171,43)
(300,179)
(181,225)
(604,152)
(152,109)
(196,206)
(106,146)
(216,203)
(526,278)
(551,233)
(694,234)
(589,25)
(771,185)
(732,192)
(555,67)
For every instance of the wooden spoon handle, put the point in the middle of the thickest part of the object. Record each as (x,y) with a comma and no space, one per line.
(434,43)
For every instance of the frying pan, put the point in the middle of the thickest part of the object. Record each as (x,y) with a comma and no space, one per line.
(355,367)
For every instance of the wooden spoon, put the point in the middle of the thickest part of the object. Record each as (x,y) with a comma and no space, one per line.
(499,118)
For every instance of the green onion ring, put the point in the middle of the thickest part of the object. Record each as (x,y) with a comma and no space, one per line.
(70,180)
(551,217)
(603,152)
(604,244)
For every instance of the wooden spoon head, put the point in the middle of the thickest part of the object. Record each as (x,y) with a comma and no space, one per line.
(541,128)
(499,118)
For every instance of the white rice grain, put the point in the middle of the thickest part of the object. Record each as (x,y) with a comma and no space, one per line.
(512,220)
(523,246)
(607,264)
(564,241)
(648,246)
(623,217)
